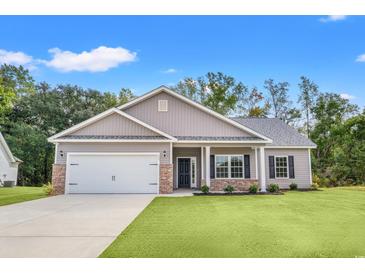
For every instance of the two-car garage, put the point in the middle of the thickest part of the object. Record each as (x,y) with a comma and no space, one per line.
(112,173)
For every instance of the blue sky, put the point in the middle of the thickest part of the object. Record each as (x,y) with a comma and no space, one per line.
(144,52)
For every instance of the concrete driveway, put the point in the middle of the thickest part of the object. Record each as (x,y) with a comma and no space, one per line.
(67,225)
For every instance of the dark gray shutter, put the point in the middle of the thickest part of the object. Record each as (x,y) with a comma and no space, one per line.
(247,166)
(271,167)
(212,167)
(291,167)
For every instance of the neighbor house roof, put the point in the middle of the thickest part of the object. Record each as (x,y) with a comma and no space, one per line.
(276,130)
(12,158)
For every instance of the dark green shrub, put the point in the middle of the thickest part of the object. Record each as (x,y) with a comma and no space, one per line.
(293,186)
(205,189)
(228,189)
(253,188)
(273,188)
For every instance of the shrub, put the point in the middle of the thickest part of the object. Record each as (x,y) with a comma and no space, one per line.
(314,186)
(273,188)
(316,180)
(253,188)
(48,188)
(228,189)
(205,189)
(293,186)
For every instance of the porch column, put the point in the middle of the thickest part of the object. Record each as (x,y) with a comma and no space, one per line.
(256,165)
(262,169)
(207,166)
(202,163)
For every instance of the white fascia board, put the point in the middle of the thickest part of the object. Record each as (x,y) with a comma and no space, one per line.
(60,140)
(304,147)
(191,102)
(221,142)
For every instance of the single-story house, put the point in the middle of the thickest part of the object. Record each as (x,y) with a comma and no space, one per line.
(163,141)
(8,163)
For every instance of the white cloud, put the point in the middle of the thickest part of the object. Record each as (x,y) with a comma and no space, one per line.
(16,58)
(332,18)
(170,71)
(360,58)
(347,96)
(96,60)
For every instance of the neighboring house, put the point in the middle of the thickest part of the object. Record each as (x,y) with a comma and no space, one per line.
(163,141)
(8,163)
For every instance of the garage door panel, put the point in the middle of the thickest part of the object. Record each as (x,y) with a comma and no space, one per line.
(102,173)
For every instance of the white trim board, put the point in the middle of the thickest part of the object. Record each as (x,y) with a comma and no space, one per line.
(103,115)
(191,102)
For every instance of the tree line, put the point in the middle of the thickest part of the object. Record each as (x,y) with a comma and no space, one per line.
(31,112)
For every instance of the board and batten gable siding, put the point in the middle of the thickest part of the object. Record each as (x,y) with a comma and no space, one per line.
(115,124)
(113,147)
(301,167)
(240,151)
(181,119)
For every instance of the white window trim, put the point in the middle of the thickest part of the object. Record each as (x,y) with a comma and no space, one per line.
(287,166)
(192,184)
(229,166)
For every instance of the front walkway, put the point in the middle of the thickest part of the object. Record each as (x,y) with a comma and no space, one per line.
(181,192)
(67,225)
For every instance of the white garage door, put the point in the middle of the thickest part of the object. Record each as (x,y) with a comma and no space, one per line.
(112,173)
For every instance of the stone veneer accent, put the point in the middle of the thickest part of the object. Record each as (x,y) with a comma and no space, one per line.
(58,179)
(166,179)
(238,184)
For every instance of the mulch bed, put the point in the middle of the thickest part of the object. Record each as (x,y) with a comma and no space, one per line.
(237,193)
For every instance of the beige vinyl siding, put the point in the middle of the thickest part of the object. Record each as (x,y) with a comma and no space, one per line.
(113,147)
(238,150)
(301,167)
(115,124)
(181,119)
(188,152)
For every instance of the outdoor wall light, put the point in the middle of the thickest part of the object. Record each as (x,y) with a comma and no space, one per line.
(61,153)
(164,153)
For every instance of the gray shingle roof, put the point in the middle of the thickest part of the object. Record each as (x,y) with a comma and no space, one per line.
(216,138)
(113,137)
(275,129)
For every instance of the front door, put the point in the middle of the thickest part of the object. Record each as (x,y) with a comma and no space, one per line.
(184,173)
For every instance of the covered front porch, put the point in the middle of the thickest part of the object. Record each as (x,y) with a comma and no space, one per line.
(218,165)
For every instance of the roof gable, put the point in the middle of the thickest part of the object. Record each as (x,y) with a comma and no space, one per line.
(112,122)
(195,115)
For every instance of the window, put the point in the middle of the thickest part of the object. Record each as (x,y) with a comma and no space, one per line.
(229,166)
(236,167)
(281,167)
(162,105)
(193,172)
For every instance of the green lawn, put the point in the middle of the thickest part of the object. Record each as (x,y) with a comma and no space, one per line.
(20,194)
(325,223)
